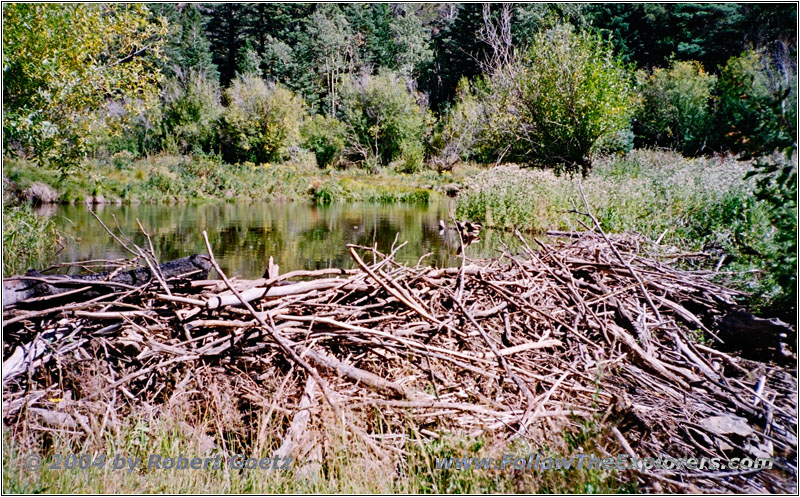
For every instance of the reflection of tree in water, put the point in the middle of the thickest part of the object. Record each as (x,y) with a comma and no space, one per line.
(296,235)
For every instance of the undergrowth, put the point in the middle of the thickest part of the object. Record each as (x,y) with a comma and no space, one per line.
(698,205)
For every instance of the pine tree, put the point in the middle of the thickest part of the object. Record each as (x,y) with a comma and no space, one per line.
(225,32)
(187,47)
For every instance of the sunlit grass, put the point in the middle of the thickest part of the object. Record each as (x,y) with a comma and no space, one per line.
(28,239)
(337,463)
(697,205)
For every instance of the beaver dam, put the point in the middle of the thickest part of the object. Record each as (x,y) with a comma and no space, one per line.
(586,329)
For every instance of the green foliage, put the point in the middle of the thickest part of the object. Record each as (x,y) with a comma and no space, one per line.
(260,122)
(562,96)
(122,160)
(65,64)
(330,45)
(384,122)
(777,188)
(189,111)
(458,129)
(458,52)
(409,48)
(757,110)
(28,240)
(325,137)
(675,107)
(650,34)
(249,61)
(187,47)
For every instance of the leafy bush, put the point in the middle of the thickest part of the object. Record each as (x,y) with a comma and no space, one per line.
(458,128)
(757,117)
(674,110)
(554,103)
(261,121)
(383,120)
(757,101)
(122,160)
(64,64)
(776,187)
(325,137)
(190,108)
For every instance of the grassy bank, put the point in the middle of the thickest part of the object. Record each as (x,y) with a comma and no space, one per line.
(28,239)
(699,205)
(169,179)
(338,463)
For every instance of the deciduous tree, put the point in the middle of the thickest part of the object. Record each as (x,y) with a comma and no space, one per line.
(68,66)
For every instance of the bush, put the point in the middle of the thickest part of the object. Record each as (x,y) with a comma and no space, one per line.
(122,160)
(458,129)
(261,121)
(674,110)
(28,239)
(553,104)
(325,137)
(190,108)
(757,103)
(757,116)
(383,121)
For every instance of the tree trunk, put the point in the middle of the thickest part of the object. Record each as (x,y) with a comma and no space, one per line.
(19,289)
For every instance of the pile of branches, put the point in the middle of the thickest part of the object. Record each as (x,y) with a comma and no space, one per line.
(585,329)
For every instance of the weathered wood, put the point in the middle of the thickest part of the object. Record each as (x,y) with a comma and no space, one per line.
(421,345)
(34,285)
(366,378)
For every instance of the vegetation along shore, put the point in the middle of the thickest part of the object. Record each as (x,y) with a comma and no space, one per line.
(627,171)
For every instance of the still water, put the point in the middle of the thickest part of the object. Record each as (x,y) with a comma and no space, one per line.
(297,235)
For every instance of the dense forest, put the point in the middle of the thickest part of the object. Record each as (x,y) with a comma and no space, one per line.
(419,82)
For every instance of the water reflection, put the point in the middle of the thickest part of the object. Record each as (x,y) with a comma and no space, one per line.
(296,235)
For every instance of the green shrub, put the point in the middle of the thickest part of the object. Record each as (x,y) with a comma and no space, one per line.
(190,108)
(261,121)
(138,135)
(757,116)
(28,239)
(553,104)
(325,137)
(122,159)
(757,101)
(674,110)
(458,129)
(383,120)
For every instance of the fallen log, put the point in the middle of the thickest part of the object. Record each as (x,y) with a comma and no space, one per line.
(34,288)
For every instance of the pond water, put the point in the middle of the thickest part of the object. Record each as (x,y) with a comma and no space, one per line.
(297,235)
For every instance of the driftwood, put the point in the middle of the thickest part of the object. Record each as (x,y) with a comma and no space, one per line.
(586,329)
(33,286)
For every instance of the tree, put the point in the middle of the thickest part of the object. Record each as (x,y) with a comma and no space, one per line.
(675,107)
(650,34)
(553,105)
(70,65)
(383,120)
(260,122)
(187,47)
(225,30)
(329,46)
(410,47)
(459,51)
